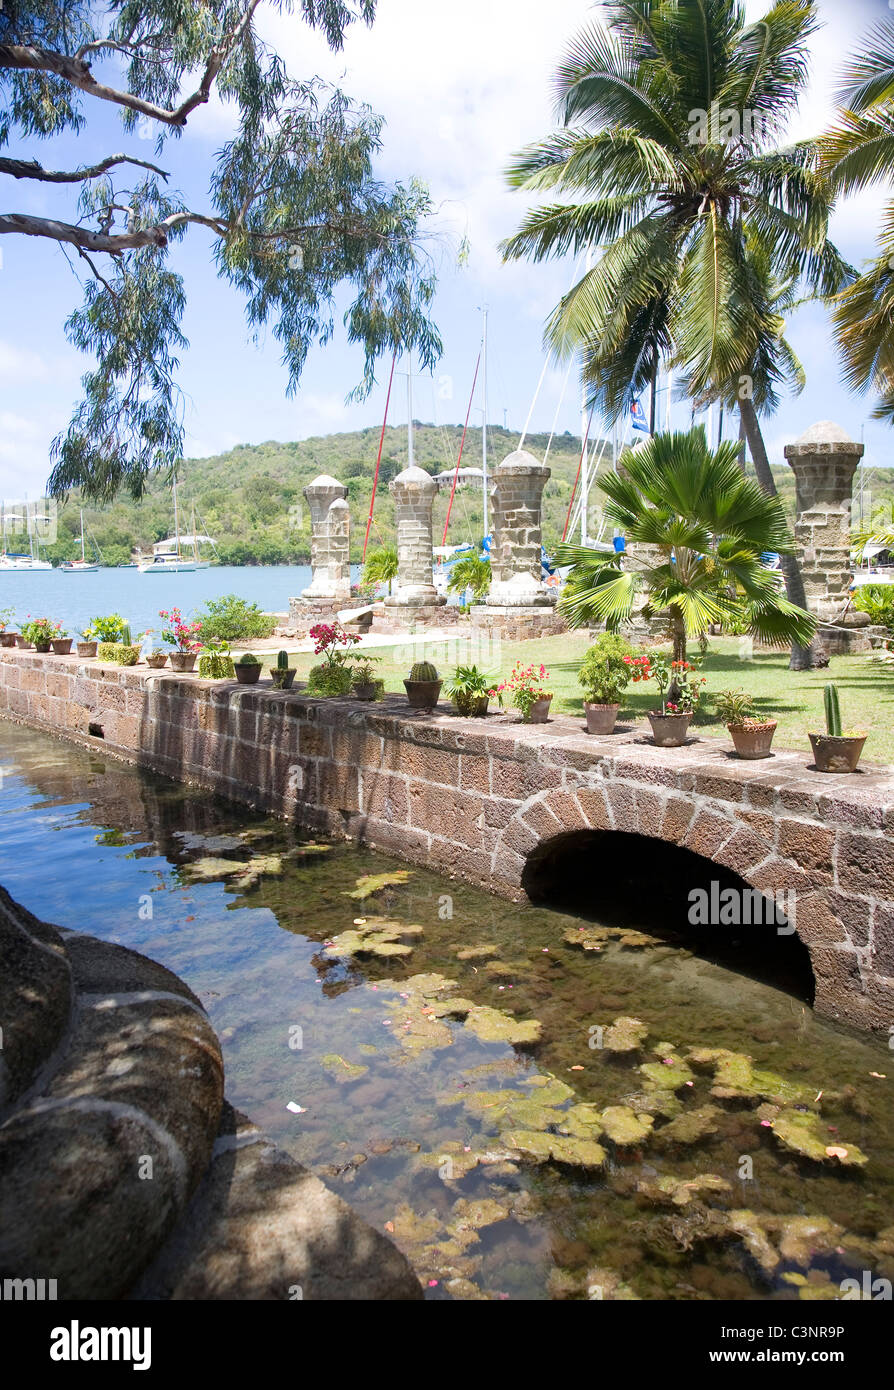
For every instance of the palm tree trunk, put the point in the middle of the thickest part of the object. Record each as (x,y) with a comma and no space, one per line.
(801,657)
(654,393)
(742,442)
(678,632)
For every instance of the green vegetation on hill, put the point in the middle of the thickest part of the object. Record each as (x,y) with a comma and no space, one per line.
(251,498)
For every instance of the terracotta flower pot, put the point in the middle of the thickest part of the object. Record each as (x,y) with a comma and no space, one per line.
(42,646)
(670,730)
(423,694)
(21,641)
(157,662)
(540,710)
(836,754)
(61,646)
(86,649)
(247,674)
(183,661)
(471,706)
(8,639)
(365,690)
(601,719)
(282,677)
(753,740)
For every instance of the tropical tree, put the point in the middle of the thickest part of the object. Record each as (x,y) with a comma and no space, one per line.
(295,219)
(471,572)
(858,153)
(381,566)
(669,160)
(709,527)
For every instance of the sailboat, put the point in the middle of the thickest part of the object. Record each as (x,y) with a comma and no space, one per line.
(19,561)
(82,566)
(168,556)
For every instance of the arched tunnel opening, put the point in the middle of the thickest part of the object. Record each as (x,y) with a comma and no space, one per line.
(618,879)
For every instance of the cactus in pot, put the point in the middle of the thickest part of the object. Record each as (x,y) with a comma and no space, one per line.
(282,674)
(835,750)
(423,686)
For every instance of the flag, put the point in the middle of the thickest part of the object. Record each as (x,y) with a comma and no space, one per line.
(637,418)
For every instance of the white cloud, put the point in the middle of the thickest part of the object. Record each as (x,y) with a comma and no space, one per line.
(19,364)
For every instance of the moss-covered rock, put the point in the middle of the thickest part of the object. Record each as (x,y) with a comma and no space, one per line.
(625,1035)
(624,1127)
(690,1126)
(370,884)
(581,1153)
(801,1132)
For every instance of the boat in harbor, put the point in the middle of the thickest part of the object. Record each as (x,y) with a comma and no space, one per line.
(172,556)
(82,566)
(12,560)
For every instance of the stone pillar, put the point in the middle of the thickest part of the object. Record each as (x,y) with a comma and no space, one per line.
(516,498)
(414,493)
(329,542)
(823,461)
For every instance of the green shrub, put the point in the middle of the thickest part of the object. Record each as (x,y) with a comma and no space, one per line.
(105,630)
(878,601)
(108,651)
(234,619)
(330,680)
(605,671)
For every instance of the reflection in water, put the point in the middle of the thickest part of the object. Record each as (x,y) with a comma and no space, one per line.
(466,1086)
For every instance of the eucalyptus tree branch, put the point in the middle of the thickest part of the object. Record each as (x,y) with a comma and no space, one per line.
(30,169)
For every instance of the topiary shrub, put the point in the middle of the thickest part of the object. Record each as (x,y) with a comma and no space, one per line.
(328,680)
(108,651)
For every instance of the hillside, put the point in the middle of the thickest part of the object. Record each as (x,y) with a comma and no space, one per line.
(250,499)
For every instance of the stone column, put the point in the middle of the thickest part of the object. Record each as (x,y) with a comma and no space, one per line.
(516,498)
(329,542)
(823,461)
(414,493)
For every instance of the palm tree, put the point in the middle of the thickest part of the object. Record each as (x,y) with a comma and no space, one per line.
(668,161)
(381,566)
(857,153)
(709,526)
(472,572)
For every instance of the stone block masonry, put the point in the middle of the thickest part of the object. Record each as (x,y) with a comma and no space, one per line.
(474,798)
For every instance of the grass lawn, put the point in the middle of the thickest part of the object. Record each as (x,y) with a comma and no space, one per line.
(794,698)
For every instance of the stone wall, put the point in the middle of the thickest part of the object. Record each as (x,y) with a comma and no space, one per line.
(474,798)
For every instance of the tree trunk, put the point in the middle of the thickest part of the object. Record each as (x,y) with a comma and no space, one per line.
(801,657)
(742,441)
(654,393)
(678,632)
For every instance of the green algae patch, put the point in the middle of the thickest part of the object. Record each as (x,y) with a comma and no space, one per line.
(244,872)
(623,1126)
(800,1132)
(370,884)
(410,1229)
(690,1126)
(550,1090)
(475,952)
(670,1073)
(378,936)
(735,1078)
(477,1213)
(582,1153)
(654,1100)
(342,1070)
(493,1025)
(583,1121)
(594,938)
(625,1035)
(679,1192)
(749,1227)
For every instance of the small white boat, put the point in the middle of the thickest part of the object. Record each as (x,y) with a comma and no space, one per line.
(13,561)
(168,556)
(171,563)
(82,566)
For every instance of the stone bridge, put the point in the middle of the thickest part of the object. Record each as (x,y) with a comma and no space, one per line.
(484,800)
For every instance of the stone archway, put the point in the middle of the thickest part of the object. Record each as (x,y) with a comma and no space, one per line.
(768,854)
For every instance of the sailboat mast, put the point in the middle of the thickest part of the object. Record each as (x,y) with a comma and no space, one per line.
(484,420)
(195,538)
(176,517)
(83,556)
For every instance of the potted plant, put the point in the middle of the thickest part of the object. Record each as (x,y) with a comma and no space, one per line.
(835,751)
(282,674)
(604,674)
(157,658)
(184,636)
(106,632)
(88,643)
(670,724)
(127,652)
(750,734)
(61,643)
(469,689)
(525,690)
(365,683)
(39,633)
(7,639)
(423,686)
(215,662)
(248,669)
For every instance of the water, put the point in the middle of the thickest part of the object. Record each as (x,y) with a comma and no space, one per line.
(241,907)
(74,599)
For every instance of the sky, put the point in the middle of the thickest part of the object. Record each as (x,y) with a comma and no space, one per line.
(461,86)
